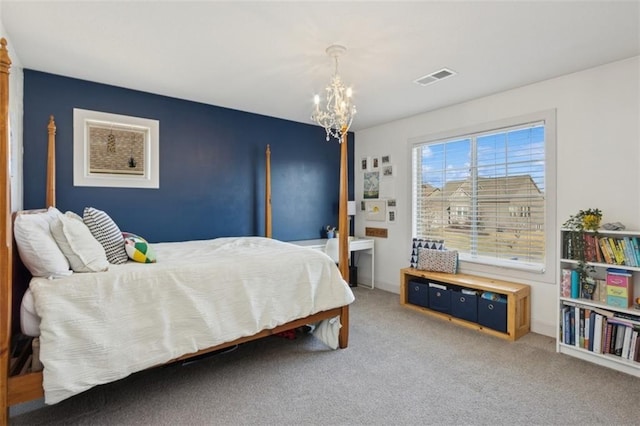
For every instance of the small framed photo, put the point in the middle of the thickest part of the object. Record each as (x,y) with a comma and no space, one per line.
(386,159)
(375,162)
(363,205)
(365,164)
(391,202)
(392,215)
(387,171)
(376,210)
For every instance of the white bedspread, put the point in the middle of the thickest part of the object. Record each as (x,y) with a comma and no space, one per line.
(103,326)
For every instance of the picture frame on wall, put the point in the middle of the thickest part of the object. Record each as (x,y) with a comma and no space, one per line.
(376,210)
(385,159)
(371,185)
(113,150)
(365,164)
(375,163)
(387,171)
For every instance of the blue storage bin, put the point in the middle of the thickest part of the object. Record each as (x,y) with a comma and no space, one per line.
(418,293)
(439,298)
(493,313)
(464,306)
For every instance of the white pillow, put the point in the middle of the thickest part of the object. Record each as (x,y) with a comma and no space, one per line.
(84,252)
(36,246)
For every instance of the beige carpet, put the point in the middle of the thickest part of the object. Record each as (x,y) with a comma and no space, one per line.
(401,367)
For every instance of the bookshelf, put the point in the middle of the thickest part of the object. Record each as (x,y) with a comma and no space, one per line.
(598,319)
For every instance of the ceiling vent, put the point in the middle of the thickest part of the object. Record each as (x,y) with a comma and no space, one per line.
(435,76)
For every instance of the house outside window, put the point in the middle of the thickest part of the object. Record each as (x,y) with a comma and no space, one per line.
(485,193)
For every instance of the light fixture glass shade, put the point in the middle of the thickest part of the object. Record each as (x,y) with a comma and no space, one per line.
(336,113)
(351,208)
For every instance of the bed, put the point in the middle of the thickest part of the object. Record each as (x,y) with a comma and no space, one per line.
(251,301)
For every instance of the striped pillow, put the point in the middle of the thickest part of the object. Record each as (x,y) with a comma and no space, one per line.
(105,230)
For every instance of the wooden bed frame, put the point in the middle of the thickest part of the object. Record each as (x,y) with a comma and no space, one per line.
(27,387)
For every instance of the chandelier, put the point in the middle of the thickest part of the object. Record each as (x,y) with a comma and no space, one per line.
(337,113)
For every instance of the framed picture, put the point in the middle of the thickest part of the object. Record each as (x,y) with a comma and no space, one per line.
(392,216)
(371,185)
(385,159)
(387,170)
(375,162)
(391,202)
(376,210)
(115,150)
(365,164)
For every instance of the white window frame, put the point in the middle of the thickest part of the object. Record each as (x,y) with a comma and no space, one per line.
(546,273)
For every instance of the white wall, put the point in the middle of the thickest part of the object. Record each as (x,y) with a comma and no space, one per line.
(598,162)
(16,111)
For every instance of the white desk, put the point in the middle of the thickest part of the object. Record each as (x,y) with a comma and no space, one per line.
(355,244)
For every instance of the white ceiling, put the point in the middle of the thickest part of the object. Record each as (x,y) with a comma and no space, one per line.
(269,57)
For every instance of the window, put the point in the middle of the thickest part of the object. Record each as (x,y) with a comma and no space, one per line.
(485,192)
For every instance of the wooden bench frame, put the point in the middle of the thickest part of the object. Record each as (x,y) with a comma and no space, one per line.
(518,300)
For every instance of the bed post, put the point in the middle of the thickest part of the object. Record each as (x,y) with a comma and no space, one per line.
(51,164)
(6,244)
(343,227)
(267,195)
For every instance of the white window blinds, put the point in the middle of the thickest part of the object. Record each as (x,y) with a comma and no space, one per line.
(484,194)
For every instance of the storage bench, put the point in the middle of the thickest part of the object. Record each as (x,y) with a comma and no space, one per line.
(509,320)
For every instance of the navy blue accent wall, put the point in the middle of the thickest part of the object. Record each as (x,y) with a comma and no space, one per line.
(212,165)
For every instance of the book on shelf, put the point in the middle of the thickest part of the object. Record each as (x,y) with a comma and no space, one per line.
(597,333)
(619,340)
(601,290)
(588,329)
(606,250)
(566,324)
(590,248)
(565,283)
(619,257)
(576,326)
(629,256)
(588,287)
(575,284)
(596,244)
(635,345)
(590,324)
(635,242)
(606,349)
(581,323)
(626,342)
(572,327)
